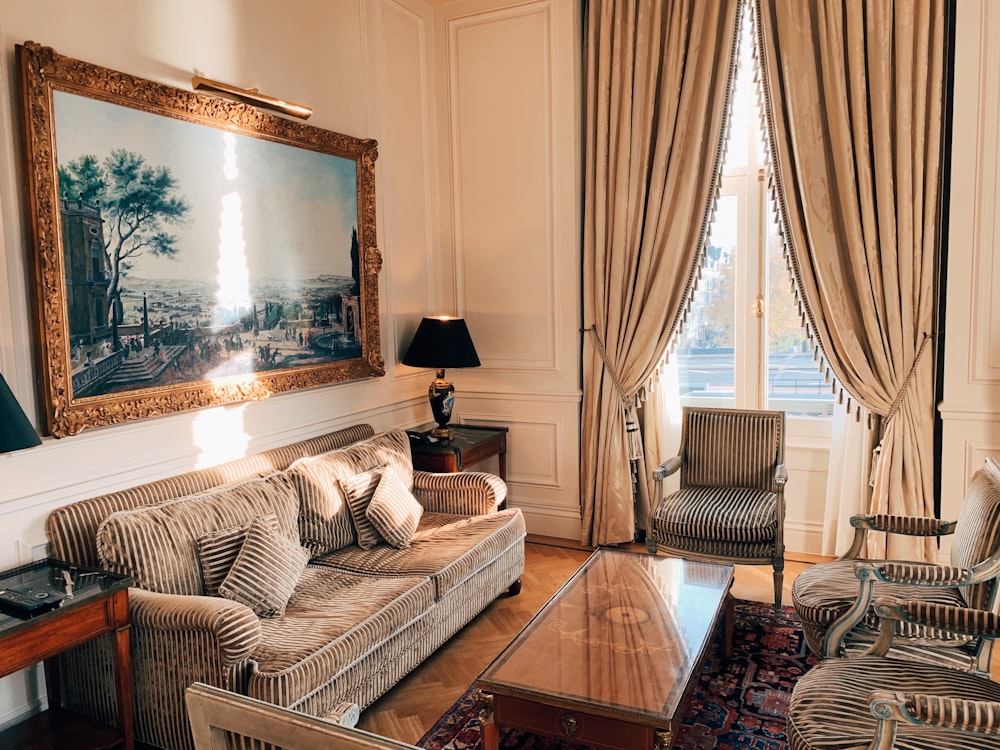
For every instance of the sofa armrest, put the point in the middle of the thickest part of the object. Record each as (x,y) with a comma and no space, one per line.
(465,493)
(233,626)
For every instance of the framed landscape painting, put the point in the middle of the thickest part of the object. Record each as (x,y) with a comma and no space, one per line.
(189,250)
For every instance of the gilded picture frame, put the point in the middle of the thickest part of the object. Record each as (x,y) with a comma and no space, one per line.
(189,250)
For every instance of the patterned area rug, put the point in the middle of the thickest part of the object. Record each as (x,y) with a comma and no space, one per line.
(738,704)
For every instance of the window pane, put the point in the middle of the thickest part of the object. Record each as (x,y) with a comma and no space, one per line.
(705,350)
(794,383)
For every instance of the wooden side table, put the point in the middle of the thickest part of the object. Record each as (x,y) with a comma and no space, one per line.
(87,603)
(470,445)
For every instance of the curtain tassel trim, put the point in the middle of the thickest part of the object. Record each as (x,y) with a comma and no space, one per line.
(896,404)
(633,437)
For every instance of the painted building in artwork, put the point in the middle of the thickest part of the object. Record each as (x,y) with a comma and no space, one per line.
(87,272)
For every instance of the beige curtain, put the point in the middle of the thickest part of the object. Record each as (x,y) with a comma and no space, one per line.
(658,80)
(853,99)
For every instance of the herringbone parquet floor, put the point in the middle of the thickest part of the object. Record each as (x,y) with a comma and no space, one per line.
(408,710)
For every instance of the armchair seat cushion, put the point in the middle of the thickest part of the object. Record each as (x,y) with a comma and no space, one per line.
(446,548)
(829,709)
(720,514)
(331,622)
(822,593)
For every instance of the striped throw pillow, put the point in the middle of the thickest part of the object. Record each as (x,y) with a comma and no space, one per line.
(394,511)
(265,572)
(358,490)
(217,551)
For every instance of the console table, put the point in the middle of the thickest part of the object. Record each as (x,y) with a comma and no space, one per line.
(79,604)
(470,445)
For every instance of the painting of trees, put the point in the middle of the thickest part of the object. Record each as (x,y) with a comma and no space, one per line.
(139,203)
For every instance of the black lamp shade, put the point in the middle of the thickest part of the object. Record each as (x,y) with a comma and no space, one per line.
(16,431)
(442,343)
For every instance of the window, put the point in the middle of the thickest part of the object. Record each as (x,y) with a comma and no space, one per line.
(743,343)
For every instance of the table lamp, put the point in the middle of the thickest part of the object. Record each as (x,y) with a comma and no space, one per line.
(16,431)
(439,343)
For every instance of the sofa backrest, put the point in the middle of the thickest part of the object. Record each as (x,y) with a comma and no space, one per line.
(158,546)
(72,529)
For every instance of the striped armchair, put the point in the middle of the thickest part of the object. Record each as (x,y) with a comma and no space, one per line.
(834,599)
(731,501)
(883,703)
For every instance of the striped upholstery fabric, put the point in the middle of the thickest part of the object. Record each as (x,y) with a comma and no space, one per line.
(977,533)
(359,489)
(331,623)
(727,514)
(465,493)
(390,661)
(158,546)
(730,505)
(325,522)
(448,549)
(394,511)
(217,551)
(72,529)
(827,591)
(266,571)
(731,448)
(830,708)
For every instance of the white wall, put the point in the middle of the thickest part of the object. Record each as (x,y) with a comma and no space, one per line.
(507,108)
(970,410)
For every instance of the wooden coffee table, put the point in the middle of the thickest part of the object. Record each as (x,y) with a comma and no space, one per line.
(610,660)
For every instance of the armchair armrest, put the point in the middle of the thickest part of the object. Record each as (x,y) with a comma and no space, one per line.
(891,524)
(915,573)
(947,619)
(946,712)
(465,493)
(668,467)
(233,626)
(958,620)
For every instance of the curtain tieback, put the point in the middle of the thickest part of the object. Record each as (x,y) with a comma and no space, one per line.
(896,404)
(633,439)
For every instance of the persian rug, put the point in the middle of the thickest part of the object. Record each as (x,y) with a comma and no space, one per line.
(739,703)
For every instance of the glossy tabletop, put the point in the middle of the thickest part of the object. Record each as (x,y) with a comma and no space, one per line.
(623,636)
(59,583)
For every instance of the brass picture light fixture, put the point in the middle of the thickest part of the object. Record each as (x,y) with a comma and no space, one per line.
(252,97)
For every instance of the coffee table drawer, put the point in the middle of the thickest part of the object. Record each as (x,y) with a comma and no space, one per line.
(597,731)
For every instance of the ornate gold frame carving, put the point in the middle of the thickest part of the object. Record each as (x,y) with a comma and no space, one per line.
(43,71)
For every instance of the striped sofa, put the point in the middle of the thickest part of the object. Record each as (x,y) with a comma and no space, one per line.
(258,576)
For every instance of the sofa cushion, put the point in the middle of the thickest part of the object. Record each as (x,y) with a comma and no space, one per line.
(266,570)
(394,511)
(218,550)
(358,490)
(325,520)
(332,621)
(157,545)
(446,548)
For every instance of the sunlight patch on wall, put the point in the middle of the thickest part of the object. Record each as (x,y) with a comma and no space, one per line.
(220,436)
